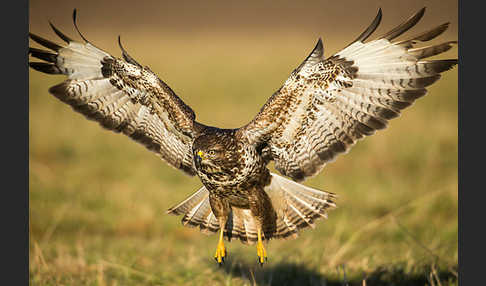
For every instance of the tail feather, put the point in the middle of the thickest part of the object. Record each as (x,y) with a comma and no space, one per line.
(241,226)
(304,217)
(297,207)
(197,215)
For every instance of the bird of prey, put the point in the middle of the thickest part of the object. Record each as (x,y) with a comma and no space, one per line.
(323,108)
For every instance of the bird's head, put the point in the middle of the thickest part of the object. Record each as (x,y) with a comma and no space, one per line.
(213,153)
(208,156)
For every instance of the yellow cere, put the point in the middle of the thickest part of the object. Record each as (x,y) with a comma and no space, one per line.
(200,154)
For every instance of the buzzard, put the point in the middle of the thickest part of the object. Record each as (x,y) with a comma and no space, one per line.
(323,108)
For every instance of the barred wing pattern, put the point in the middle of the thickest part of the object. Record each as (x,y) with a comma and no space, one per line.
(326,105)
(121,95)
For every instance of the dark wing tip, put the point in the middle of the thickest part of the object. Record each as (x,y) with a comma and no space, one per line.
(46,43)
(60,34)
(433,33)
(314,57)
(45,67)
(319,47)
(125,54)
(427,36)
(171,211)
(318,51)
(43,55)
(419,14)
(121,46)
(405,26)
(371,28)
(444,65)
(74,15)
(76,26)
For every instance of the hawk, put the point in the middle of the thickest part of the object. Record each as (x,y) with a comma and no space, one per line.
(323,108)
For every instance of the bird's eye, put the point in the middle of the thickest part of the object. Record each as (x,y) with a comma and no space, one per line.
(211,152)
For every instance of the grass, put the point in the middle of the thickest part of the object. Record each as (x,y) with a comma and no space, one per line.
(98,200)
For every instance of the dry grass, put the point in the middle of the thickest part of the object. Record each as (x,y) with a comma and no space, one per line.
(98,200)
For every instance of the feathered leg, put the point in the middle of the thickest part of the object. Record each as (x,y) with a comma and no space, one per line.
(265,218)
(221,210)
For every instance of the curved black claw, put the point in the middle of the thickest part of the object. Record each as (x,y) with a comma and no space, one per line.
(220,263)
(259,260)
(222,259)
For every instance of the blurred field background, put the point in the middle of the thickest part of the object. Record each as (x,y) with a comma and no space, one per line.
(98,200)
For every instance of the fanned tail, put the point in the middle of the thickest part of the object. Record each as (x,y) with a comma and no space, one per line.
(197,212)
(297,207)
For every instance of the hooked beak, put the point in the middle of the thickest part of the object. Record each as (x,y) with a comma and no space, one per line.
(198,158)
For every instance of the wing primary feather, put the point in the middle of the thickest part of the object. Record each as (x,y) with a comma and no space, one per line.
(43,55)
(318,51)
(371,28)
(76,26)
(79,32)
(430,51)
(60,34)
(46,43)
(426,36)
(431,34)
(45,67)
(405,26)
(314,57)
(126,56)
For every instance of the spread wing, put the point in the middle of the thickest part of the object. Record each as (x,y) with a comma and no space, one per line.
(121,95)
(326,105)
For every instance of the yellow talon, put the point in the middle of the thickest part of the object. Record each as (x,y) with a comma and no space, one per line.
(261,252)
(220,250)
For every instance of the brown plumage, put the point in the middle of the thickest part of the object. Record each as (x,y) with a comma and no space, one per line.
(323,108)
